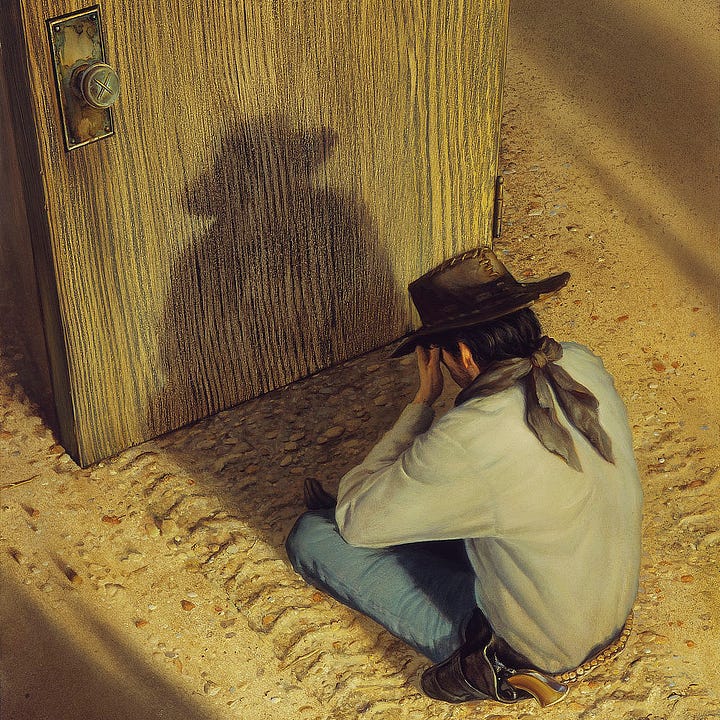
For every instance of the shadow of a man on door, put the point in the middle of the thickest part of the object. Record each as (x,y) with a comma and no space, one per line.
(288,279)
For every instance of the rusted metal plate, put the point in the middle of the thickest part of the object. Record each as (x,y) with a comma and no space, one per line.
(76,42)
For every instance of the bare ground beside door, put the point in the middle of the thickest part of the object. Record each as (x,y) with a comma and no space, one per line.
(155,585)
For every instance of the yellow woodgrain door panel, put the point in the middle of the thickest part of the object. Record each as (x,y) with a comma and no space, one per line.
(280,171)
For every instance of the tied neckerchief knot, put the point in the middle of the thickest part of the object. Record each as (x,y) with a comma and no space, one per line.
(539,359)
(546,382)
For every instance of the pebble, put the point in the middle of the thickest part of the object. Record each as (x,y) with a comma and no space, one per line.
(334,432)
(187,605)
(17,556)
(72,576)
(112,589)
(210,688)
(169,527)
(287,460)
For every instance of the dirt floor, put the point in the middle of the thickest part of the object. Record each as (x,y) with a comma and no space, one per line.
(155,584)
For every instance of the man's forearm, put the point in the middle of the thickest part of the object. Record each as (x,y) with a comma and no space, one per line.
(414,420)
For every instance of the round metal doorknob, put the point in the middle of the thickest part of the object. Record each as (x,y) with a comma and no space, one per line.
(97,84)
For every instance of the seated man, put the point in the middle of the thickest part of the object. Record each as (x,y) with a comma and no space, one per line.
(502,541)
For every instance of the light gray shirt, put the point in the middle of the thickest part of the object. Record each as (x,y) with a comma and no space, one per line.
(556,552)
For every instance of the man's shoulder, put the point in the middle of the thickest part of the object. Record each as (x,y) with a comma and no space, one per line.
(582,356)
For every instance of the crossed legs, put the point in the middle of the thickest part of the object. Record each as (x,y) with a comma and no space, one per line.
(422,593)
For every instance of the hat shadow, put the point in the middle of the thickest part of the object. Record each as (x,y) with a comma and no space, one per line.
(279,283)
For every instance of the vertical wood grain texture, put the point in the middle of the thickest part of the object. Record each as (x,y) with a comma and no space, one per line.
(29,286)
(19,299)
(280,171)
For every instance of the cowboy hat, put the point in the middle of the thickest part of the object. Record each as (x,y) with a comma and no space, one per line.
(469,289)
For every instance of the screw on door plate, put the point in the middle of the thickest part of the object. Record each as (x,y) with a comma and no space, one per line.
(86,86)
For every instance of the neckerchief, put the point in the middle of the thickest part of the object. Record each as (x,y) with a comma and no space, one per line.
(544,382)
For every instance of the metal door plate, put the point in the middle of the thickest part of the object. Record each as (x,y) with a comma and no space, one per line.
(76,40)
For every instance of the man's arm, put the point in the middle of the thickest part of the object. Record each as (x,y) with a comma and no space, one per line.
(400,492)
(415,419)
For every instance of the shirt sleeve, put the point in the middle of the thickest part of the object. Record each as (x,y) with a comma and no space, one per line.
(416,484)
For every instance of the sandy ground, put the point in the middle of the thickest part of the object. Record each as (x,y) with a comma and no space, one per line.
(155,584)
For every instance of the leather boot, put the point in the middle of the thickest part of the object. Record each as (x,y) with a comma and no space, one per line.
(458,679)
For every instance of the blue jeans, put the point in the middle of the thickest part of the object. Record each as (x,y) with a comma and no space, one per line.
(421,592)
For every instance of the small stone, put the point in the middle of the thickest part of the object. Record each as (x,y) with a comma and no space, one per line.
(141,623)
(169,527)
(690,643)
(112,589)
(291,446)
(381,400)
(187,605)
(658,366)
(296,436)
(286,461)
(17,556)
(373,367)
(686,578)
(210,688)
(111,519)
(72,576)
(335,431)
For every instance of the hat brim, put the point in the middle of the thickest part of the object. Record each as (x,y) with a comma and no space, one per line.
(523,296)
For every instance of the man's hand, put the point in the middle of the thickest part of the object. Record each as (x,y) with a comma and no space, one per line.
(431,377)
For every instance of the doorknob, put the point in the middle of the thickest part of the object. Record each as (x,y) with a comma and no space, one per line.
(97,84)
(86,85)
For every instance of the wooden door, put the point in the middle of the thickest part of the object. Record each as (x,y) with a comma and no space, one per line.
(281,169)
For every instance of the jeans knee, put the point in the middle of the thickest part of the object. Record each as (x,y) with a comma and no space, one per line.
(303,537)
(294,543)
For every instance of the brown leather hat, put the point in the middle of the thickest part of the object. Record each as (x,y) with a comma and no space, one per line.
(469,289)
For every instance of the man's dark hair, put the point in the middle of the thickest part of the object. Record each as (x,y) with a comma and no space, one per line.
(515,335)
